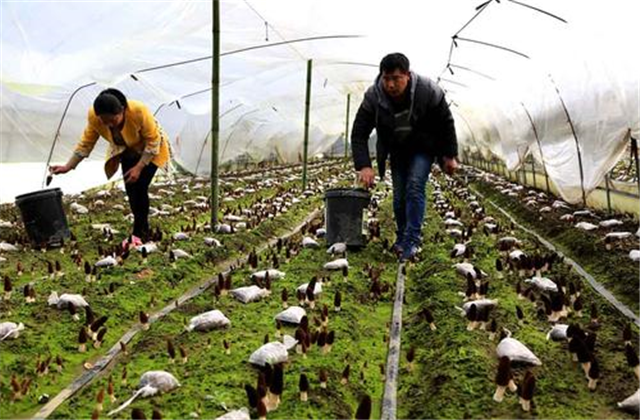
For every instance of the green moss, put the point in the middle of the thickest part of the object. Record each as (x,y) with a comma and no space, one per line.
(612,268)
(212,381)
(455,368)
(139,286)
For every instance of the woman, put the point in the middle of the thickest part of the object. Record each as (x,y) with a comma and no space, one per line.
(136,141)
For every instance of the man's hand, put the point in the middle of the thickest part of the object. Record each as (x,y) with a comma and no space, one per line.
(367,177)
(133,174)
(450,165)
(59,169)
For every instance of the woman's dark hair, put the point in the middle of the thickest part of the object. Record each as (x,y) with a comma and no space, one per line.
(110,101)
(394,61)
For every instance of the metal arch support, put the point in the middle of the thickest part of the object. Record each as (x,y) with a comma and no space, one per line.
(57,135)
(468,127)
(575,137)
(535,133)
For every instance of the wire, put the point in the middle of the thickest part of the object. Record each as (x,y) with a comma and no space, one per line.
(538,10)
(254,47)
(486,76)
(444,79)
(488,44)
(482,8)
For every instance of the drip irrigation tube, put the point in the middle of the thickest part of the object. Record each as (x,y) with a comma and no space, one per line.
(599,288)
(389,400)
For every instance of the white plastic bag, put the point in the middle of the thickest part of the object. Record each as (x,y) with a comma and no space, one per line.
(338,264)
(543,283)
(516,351)
(272,353)
(273,274)
(316,290)
(208,321)
(249,293)
(291,315)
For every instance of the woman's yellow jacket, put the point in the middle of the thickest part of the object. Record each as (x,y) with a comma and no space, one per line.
(141,132)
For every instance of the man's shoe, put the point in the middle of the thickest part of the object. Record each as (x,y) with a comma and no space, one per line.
(397,249)
(409,254)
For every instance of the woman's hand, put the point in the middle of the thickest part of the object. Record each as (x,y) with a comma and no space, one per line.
(59,169)
(133,174)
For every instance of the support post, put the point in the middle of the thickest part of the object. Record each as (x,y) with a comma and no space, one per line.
(533,171)
(634,152)
(307,105)
(608,189)
(346,129)
(215,118)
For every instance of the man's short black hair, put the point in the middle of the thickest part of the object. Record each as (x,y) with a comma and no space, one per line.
(394,61)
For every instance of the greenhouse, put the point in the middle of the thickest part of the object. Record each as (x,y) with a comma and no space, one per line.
(235,209)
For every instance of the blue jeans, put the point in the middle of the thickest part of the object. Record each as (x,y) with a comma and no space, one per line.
(409,197)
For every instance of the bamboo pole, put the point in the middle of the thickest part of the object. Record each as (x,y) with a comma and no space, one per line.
(346,129)
(307,105)
(215,103)
(608,189)
(634,151)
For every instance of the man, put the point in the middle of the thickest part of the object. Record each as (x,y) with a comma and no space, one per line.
(414,128)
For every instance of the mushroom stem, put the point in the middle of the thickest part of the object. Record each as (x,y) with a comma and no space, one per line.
(585,368)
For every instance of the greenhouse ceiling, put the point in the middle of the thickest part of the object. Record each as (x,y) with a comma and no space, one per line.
(554,79)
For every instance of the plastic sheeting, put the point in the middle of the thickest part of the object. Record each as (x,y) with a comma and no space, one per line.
(51,49)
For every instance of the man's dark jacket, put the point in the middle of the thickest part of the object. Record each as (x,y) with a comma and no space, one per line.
(433,131)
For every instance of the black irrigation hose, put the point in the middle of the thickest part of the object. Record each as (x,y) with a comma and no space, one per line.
(103,363)
(389,399)
(599,288)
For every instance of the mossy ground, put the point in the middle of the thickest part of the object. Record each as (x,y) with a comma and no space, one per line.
(138,286)
(455,368)
(213,382)
(612,268)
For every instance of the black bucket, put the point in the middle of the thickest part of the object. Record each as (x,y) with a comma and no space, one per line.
(43,217)
(343,215)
